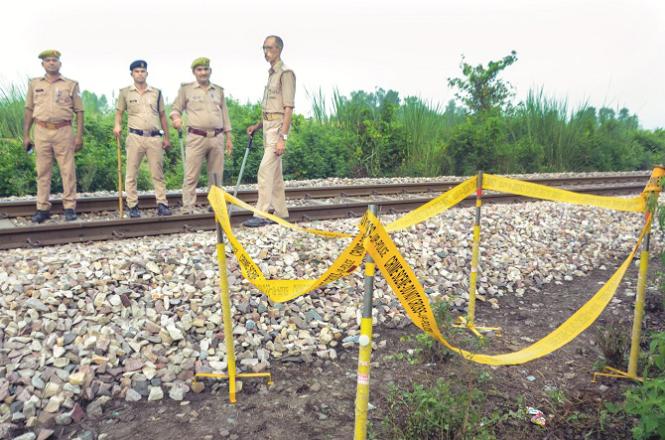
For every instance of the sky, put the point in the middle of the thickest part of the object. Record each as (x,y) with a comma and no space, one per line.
(600,53)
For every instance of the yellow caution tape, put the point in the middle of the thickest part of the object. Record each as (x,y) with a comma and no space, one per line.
(328,234)
(374,238)
(284,290)
(528,189)
(458,193)
(411,295)
(655,179)
(436,206)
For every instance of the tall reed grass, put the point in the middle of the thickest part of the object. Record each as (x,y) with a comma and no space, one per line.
(12,101)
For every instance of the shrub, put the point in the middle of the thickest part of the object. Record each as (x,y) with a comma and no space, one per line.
(435,413)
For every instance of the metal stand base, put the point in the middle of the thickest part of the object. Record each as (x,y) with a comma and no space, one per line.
(616,374)
(232,394)
(461,322)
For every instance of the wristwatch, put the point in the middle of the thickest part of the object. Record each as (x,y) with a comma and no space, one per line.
(284,136)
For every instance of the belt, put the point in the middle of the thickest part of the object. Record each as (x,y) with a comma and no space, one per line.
(53,125)
(205,133)
(273,116)
(146,133)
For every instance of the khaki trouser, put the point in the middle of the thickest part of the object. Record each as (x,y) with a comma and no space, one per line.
(270,180)
(58,143)
(137,147)
(199,148)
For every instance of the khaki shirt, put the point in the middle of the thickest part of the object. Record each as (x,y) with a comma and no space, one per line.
(280,91)
(142,109)
(53,101)
(206,107)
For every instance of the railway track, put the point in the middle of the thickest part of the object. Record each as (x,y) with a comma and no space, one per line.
(24,208)
(61,233)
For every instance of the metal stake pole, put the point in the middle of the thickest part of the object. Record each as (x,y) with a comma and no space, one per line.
(365,351)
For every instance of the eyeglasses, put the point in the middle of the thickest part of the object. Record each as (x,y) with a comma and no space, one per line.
(265,48)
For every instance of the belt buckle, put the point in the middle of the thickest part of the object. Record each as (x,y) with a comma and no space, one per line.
(210,133)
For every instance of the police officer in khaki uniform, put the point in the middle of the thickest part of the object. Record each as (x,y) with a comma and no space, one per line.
(278,103)
(148,135)
(50,103)
(208,124)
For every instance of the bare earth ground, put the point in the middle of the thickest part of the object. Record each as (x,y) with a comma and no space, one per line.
(316,400)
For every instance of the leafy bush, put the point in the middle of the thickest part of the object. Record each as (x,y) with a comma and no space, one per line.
(647,402)
(16,169)
(476,143)
(655,362)
(316,151)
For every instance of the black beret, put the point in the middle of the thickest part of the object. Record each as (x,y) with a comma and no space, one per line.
(138,64)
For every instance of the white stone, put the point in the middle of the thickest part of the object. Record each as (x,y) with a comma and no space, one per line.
(156,393)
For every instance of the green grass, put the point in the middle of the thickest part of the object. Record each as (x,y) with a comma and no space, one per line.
(544,121)
(438,412)
(426,128)
(12,101)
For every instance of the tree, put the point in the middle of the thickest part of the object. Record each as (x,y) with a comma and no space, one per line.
(94,104)
(480,89)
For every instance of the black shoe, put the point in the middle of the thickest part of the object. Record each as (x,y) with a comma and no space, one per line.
(40,216)
(255,222)
(134,212)
(70,215)
(162,209)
